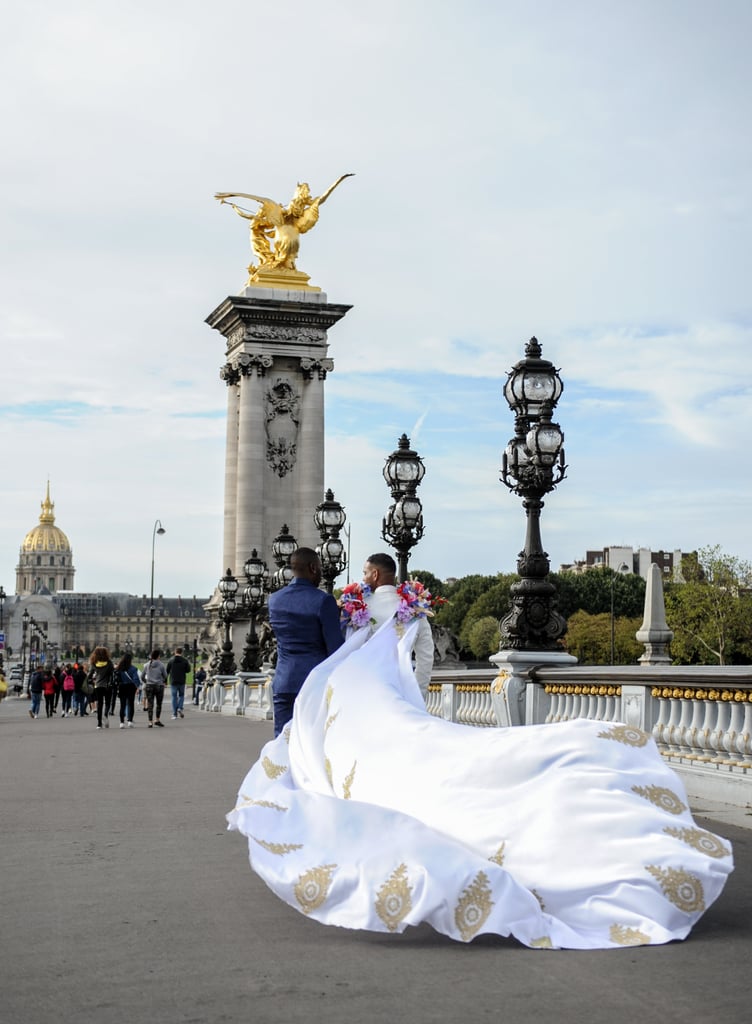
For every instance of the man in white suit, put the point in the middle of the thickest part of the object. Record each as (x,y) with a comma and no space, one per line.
(380,573)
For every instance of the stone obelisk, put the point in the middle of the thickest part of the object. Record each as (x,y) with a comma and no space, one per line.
(275,367)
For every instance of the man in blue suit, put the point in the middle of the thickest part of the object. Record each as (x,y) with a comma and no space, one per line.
(305,621)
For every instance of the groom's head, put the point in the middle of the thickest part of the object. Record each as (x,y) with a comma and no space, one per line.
(306,564)
(380,570)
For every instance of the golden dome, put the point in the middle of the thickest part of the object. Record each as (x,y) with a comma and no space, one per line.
(46,536)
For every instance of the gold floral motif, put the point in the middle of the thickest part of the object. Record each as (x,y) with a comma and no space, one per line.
(661,797)
(474,906)
(498,857)
(312,887)
(544,942)
(280,849)
(248,801)
(273,770)
(539,898)
(498,684)
(626,734)
(703,841)
(328,770)
(347,785)
(682,889)
(329,694)
(623,936)
(330,721)
(394,899)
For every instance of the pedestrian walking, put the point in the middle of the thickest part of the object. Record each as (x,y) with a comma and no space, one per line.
(80,700)
(48,689)
(178,668)
(127,681)
(35,692)
(198,684)
(68,689)
(154,677)
(101,675)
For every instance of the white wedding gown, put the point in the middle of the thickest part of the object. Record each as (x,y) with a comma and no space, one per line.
(369,813)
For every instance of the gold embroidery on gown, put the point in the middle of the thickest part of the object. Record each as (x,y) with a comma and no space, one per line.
(473,907)
(273,770)
(539,898)
(328,770)
(347,785)
(701,840)
(684,890)
(544,942)
(280,849)
(664,798)
(248,801)
(330,721)
(498,857)
(312,887)
(394,899)
(626,734)
(623,936)
(329,694)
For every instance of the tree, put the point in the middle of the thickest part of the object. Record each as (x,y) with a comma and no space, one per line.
(484,636)
(460,597)
(711,611)
(428,579)
(591,592)
(494,602)
(588,638)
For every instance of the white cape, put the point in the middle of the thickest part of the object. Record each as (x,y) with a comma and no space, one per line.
(369,813)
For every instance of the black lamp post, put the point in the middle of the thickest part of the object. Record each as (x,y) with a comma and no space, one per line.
(283,546)
(256,574)
(329,518)
(228,587)
(3,595)
(158,529)
(533,464)
(402,526)
(24,628)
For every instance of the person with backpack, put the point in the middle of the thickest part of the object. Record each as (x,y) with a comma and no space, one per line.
(154,677)
(48,689)
(127,677)
(35,692)
(178,668)
(101,675)
(68,689)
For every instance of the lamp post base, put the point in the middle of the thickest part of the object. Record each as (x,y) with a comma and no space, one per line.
(509,691)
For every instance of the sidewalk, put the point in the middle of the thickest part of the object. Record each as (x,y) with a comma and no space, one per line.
(125,901)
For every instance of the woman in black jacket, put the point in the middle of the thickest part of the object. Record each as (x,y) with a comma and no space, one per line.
(102,676)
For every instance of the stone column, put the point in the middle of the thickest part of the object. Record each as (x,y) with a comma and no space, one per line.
(230,375)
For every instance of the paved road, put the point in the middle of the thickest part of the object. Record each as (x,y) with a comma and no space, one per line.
(125,900)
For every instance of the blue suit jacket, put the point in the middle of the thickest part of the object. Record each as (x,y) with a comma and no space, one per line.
(305,621)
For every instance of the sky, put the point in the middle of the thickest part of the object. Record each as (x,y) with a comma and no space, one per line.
(576,171)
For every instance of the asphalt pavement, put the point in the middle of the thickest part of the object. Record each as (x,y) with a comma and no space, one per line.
(124,899)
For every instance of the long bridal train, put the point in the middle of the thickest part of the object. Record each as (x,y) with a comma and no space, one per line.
(369,813)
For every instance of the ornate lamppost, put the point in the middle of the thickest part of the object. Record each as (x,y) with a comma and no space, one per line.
(228,587)
(257,575)
(158,529)
(329,518)
(24,628)
(3,595)
(283,546)
(533,464)
(402,526)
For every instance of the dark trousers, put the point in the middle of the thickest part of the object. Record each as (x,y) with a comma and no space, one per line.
(127,701)
(283,705)
(67,697)
(49,703)
(102,696)
(154,694)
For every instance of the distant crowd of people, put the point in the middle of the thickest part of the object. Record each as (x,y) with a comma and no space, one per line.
(96,688)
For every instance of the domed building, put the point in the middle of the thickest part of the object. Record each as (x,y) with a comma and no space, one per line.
(45,564)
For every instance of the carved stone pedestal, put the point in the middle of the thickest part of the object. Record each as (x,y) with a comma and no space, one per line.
(509,689)
(275,368)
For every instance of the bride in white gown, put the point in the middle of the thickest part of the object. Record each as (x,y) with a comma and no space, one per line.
(366,812)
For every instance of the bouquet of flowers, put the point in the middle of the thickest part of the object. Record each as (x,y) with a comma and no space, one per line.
(416,601)
(353,608)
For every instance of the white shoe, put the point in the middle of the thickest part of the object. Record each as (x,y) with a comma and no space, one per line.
(130,725)
(174,718)
(122,725)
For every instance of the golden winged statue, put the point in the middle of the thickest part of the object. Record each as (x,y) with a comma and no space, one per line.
(276,231)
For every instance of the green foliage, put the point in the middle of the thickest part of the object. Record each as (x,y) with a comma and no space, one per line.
(494,602)
(711,612)
(588,638)
(483,639)
(461,596)
(428,579)
(591,592)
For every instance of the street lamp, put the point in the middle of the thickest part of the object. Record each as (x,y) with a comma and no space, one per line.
(283,546)
(329,518)
(256,574)
(623,568)
(228,587)
(158,529)
(532,465)
(3,595)
(24,627)
(402,527)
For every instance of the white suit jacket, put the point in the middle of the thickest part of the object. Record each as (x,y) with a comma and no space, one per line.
(382,604)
